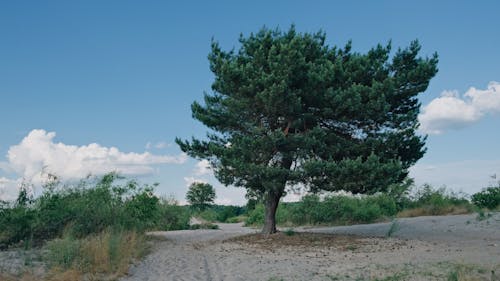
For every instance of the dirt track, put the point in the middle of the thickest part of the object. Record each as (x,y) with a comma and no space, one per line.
(424,248)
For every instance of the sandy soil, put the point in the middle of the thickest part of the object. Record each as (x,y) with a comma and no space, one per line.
(423,248)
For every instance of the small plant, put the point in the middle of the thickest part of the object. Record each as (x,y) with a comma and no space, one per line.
(289,232)
(393,228)
(351,247)
(481,215)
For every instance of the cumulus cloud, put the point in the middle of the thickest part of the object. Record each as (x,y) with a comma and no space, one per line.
(452,111)
(8,189)
(202,168)
(38,151)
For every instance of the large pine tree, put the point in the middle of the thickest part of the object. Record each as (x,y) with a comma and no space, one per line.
(287,109)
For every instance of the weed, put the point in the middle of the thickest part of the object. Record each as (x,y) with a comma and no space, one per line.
(289,232)
(351,247)
(393,228)
(481,215)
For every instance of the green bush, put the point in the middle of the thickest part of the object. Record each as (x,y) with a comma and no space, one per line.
(256,216)
(487,198)
(90,207)
(311,210)
(174,217)
(438,201)
(208,215)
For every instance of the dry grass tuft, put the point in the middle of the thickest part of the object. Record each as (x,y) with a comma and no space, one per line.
(431,211)
(59,274)
(27,276)
(104,256)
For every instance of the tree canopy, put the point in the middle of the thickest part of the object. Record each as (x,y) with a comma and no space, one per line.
(200,195)
(288,109)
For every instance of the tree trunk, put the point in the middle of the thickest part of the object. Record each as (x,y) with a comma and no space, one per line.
(271,202)
(272,199)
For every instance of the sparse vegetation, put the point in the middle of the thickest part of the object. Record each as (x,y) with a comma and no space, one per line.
(393,228)
(404,201)
(92,227)
(108,253)
(488,198)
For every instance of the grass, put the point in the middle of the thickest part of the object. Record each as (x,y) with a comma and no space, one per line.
(347,210)
(433,271)
(462,272)
(435,211)
(481,215)
(393,228)
(106,255)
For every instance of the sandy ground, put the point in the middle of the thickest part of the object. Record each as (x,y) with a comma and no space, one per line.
(423,248)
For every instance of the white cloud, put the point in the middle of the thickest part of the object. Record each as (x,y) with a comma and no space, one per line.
(202,168)
(38,151)
(191,180)
(8,189)
(451,111)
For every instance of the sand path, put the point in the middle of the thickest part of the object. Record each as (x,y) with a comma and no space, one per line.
(424,248)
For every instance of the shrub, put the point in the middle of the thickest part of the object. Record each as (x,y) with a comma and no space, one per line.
(91,207)
(256,216)
(173,216)
(488,198)
(310,210)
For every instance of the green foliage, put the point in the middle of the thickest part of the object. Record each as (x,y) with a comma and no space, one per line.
(286,109)
(208,215)
(173,216)
(340,210)
(256,216)
(436,201)
(87,208)
(63,252)
(487,198)
(221,213)
(110,251)
(310,210)
(393,228)
(200,195)
(224,213)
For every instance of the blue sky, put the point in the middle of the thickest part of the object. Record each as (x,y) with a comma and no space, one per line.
(114,80)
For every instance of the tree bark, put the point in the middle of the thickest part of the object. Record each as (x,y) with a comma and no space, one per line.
(272,199)
(271,202)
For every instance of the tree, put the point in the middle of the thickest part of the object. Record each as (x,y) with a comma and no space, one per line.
(287,109)
(200,195)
